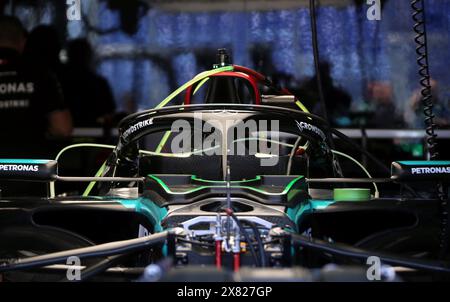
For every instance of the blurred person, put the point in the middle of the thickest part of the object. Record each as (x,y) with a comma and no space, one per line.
(43,48)
(337,100)
(385,113)
(31,107)
(88,94)
(441,110)
(31,102)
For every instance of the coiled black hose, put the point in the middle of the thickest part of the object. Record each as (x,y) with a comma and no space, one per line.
(418,16)
(422,60)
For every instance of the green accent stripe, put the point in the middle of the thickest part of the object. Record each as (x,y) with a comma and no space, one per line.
(351,194)
(144,206)
(168,190)
(92,183)
(425,163)
(14,161)
(198,78)
(200,85)
(163,141)
(297,213)
(257,178)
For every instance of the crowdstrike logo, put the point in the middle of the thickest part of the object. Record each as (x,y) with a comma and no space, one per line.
(302,126)
(432,170)
(137,127)
(26,168)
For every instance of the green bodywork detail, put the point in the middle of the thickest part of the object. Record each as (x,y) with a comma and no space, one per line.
(296,213)
(351,194)
(235,184)
(24,161)
(257,178)
(425,163)
(168,190)
(145,206)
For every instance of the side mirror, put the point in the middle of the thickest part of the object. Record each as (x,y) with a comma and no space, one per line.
(28,169)
(404,171)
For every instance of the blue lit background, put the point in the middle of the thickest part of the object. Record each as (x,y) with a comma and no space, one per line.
(359,50)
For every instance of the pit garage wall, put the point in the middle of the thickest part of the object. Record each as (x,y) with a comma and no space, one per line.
(171,45)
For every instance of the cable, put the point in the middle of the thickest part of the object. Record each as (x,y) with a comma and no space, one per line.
(355,145)
(312,12)
(63,150)
(199,85)
(418,16)
(315,44)
(107,249)
(291,155)
(196,242)
(202,77)
(355,253)
(370,156)
(301,106)
(199,77)
(257,235)
(163,141)
(247,237)
(196,79)
(92,183)
(377,193)
(267,82)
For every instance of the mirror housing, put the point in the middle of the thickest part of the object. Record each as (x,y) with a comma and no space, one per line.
(43,170)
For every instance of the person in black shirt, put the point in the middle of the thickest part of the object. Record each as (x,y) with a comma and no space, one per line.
(42,50)
(31,102)
(88,94)
(337,100)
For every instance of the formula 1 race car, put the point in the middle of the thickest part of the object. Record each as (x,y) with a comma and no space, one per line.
(228,190)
